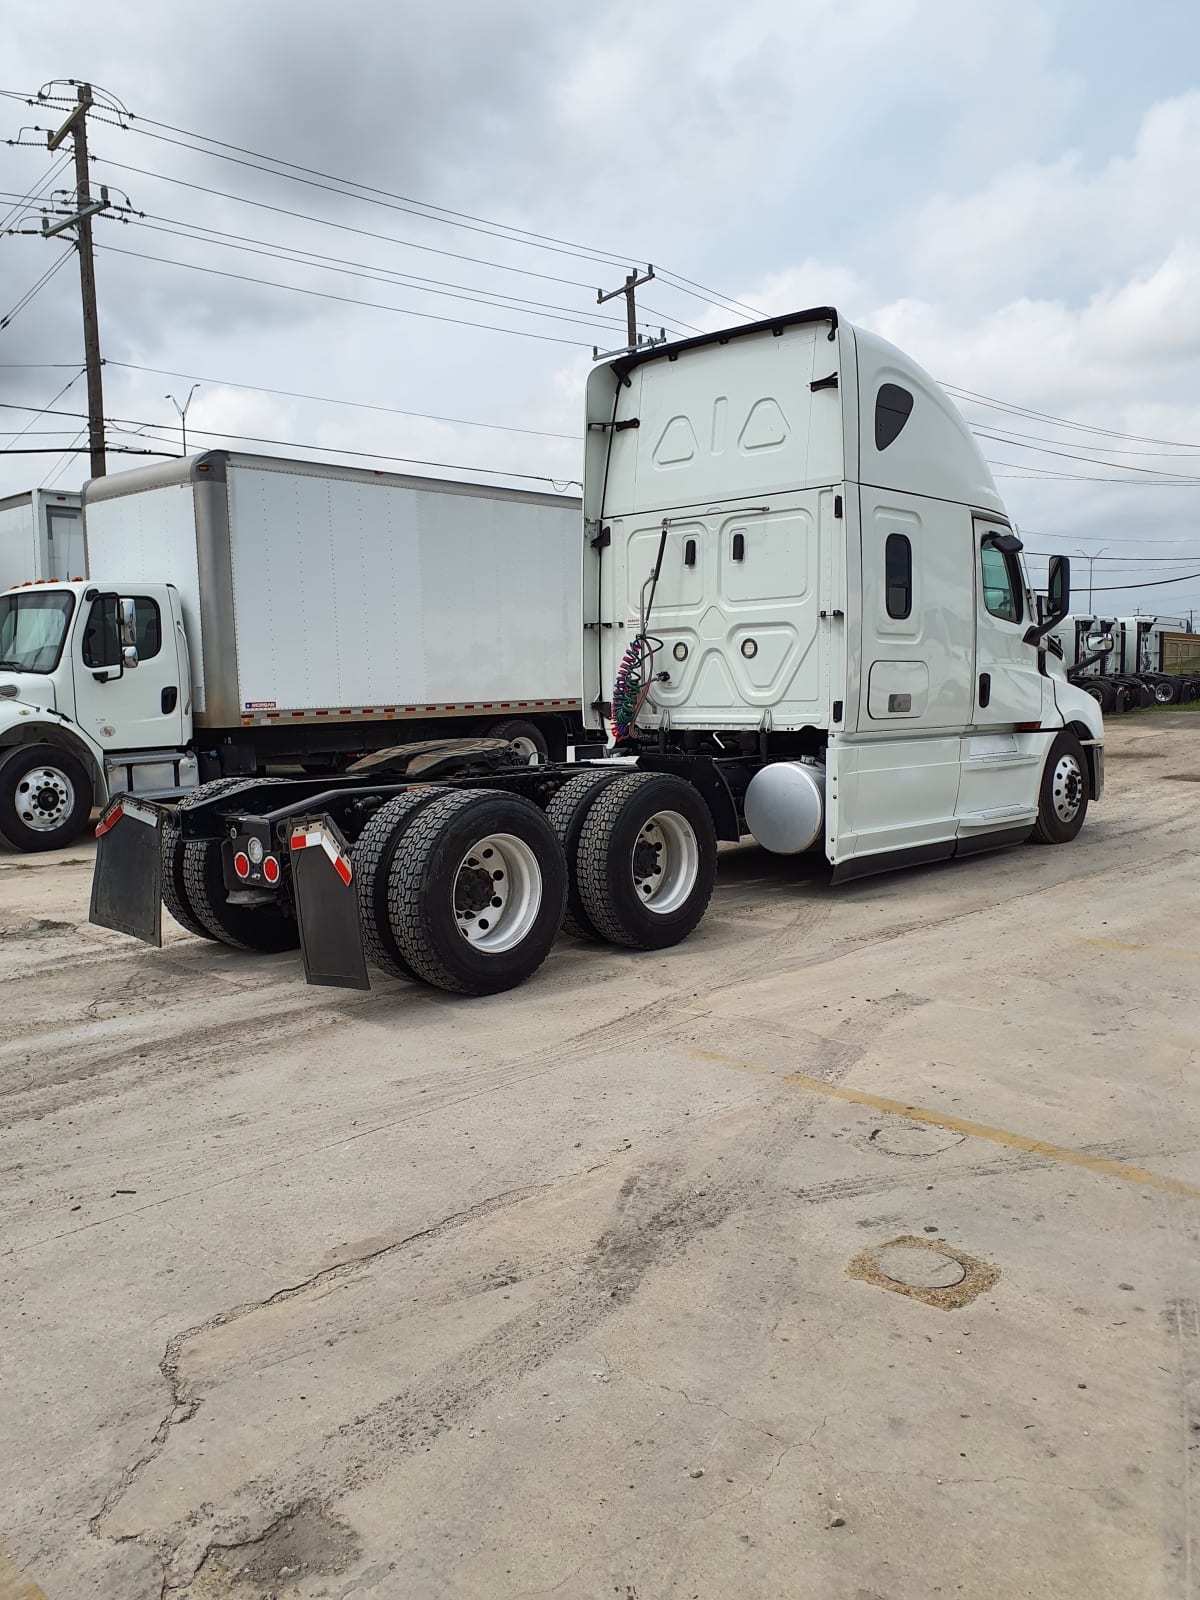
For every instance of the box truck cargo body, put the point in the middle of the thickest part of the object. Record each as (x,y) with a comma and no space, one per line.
(41,537)
(245,610)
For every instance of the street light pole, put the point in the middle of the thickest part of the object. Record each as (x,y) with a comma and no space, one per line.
(1090,558)
(183,411)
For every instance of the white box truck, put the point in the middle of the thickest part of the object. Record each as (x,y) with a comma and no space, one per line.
(806,619)
(281,612)
(41,537)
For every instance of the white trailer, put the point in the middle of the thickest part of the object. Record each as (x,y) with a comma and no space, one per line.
(806,621)
(282,612)
(41,537)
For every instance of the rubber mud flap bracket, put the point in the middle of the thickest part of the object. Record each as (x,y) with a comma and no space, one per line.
(127,881)
(327,905)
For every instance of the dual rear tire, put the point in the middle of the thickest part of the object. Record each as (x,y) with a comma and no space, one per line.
(467,890)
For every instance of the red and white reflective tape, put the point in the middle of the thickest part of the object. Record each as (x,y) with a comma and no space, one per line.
(125,807)
(321,838)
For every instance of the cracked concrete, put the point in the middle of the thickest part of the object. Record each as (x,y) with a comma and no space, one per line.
(313,1295)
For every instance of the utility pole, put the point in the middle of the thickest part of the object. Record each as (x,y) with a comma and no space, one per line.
(85,208)
(628,288)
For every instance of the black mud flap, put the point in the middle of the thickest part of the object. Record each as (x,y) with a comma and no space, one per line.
(327,905)
(127,882)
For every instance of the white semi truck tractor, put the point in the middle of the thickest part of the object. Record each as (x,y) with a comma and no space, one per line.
(805,620)
(246,611)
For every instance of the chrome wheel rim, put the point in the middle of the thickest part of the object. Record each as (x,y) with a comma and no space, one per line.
(1067,788)
(1163,693)
(44,797)
(666,862)
(497,893)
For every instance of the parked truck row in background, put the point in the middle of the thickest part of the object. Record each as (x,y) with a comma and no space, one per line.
(1127,662)
(805,619)
(242,611)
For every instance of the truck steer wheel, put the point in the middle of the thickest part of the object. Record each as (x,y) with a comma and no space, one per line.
(261,928)
(566,814)
(373,854)
(1065,792)
(476,891)
(646,861)
(45,797)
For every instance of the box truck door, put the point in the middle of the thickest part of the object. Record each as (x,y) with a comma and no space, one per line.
(129,707)
(64,543)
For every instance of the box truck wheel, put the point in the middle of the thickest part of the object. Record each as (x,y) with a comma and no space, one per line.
(372,855)
(646,860)
(1065,791)
(264,928)
(45,797)
(476,891)
(527,738)
(566,814)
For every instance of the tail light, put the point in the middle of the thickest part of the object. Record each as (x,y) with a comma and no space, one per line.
(270,869)
(241,864)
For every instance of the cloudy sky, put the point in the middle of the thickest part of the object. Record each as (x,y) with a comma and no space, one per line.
(1007,190)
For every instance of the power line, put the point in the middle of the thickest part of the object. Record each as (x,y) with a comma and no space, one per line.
(51,402)
(37,191)
(330,400)
(1157,583)
(369,233)
(274,252)
(127,424)
(370,455)
(1009,437)
(991,403)
(37,287)
(1071,455)
(368,305)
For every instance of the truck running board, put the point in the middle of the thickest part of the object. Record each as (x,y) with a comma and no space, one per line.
(327,905)
(127,882)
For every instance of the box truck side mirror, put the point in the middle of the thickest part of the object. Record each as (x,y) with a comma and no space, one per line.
(1058,600)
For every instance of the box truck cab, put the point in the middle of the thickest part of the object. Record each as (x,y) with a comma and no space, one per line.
(94,700)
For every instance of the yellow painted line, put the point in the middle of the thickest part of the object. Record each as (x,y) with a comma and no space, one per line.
(975,1130)
(14,1585)
(1150,949)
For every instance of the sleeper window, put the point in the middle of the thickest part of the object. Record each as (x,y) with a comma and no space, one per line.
(897,565)
(893,407)
(1001,585)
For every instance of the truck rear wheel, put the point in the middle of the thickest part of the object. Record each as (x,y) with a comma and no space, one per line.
(267,928)
(174,892)
(1065,792)
(646,860)
(476,891)
(526,737)
(45,797)
(373,854)
(174,888)
(566,814)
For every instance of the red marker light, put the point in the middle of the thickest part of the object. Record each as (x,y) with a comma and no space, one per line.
(109,820)
(270,869)
(342,867)
(241,864)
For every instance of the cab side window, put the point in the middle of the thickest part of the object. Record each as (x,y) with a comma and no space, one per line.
(101,636)
(1001,583)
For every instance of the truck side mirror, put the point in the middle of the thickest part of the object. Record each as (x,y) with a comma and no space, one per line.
(127,622)
(129,655)
(1058,600)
